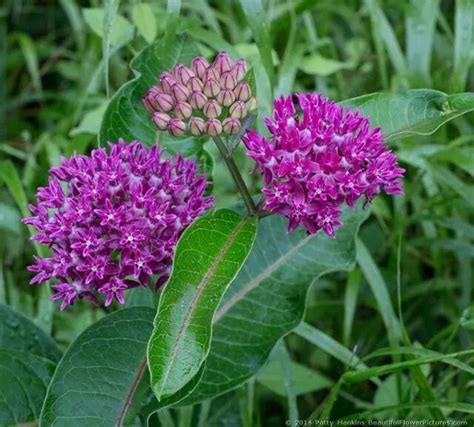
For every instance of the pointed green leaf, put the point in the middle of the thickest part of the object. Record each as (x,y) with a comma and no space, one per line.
(102,379)
(419,111)
(17,333)
(208,256)
(125,116)
(267,299)
(24,378)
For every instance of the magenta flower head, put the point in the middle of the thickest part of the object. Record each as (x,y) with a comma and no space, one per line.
(112,220)
(316,162)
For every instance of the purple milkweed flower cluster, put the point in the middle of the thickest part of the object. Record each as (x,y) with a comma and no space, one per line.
(113,220)
(315,163)
(202,99)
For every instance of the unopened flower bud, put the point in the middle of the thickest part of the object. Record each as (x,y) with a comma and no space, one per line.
(227,80)
(226,97)
(161,120)
(194,84)
(231,126)
(183,73)
(211,73)
(199,66)
(148,100)
(242,91)
(182,110)
(223,63)
(162,102)
(176,127)
(180,92)
(211,87)
(240,69)
(197,100)
(212,109)
(252,104)
(213,127)
(167,81)
(197,126)
(238,110)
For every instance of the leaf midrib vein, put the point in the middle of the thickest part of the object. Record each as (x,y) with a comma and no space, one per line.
(197,295)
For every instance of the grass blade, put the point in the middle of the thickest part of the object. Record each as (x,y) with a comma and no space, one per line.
(257,21)
(463,42)
(420,27)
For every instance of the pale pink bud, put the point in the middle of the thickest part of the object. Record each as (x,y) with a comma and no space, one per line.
(211,73)
(223,63)
(240,69)
(231,126)
(161,120)
(183,73)
(213,127)
(180,92)
(176,127)
(212,109)
(227,80)
(226,97)
(162,102)
(197,126)
(167,81)
(197,100)
(199,66)
(238,110)
(252,104)
(182,110)
(194,84)
(211,87)
(242,91)
(147,101)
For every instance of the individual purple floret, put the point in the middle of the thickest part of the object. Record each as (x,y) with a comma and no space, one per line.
(314,163)
(112,220)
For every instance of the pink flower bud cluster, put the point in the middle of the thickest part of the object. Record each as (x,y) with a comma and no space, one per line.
(112,220)
(316,162)
(204,99)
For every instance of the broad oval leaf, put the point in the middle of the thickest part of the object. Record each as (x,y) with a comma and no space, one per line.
(267,299)
(24,378)
(419,111)
(27,360)
(102,379)
(17,333)
(208,256)
(125,116)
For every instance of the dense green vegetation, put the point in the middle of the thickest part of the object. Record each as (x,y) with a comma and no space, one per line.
(387,331)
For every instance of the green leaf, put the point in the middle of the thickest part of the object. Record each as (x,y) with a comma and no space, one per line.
(30,54)
(463,43)
(354,377)
(24,378)
(125,116)
(379,289)
(419,111)
(387,35)
(267,299)
(420,28)
(208,256)
(121,31)
(321,66)
(17,333)
(102,379)
(144,19)
(305,380)
(257,20)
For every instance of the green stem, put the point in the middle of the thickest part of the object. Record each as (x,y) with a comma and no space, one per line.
(234,171)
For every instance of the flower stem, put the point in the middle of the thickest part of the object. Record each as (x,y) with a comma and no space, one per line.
(237,177)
